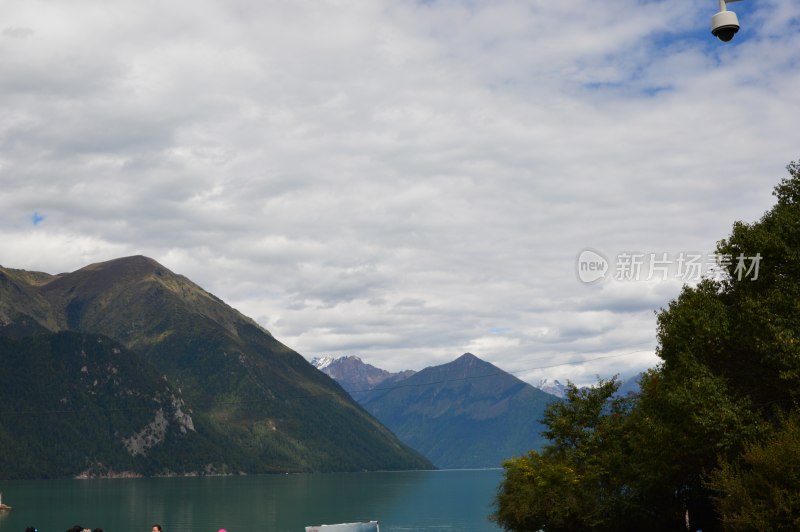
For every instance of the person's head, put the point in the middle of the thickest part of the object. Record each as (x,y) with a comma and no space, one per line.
(76,528)
(156,528)
(97,530)
(30,529)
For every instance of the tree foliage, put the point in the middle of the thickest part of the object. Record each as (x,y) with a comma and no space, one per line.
(712,441)
(760,490)
(576,482)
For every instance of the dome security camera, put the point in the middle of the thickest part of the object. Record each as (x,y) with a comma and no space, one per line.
(724,24)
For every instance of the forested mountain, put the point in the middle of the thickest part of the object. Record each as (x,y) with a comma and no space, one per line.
(464,414)
(82,404)
(276,412)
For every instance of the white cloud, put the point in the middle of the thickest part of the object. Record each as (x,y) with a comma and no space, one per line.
(399,180)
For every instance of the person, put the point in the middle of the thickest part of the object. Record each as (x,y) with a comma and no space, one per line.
(97,530)
(31,529)
(156,528)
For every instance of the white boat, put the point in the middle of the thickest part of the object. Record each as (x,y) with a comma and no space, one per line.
(3,507)
(371,526)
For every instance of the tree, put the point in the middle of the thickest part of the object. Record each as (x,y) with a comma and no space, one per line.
(760,490)
(577,481)
(706,444)
(685,420)
(763,345)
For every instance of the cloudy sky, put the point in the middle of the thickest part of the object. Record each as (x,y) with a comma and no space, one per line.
(404,181)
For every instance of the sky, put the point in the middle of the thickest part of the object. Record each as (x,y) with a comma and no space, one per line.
(402,181)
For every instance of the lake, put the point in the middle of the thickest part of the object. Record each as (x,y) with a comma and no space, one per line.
(410,501)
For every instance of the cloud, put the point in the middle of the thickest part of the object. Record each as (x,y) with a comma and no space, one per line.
(17,33)
(403,181)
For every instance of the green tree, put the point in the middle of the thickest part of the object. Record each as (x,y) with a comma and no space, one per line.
(577,481)
(760,490)
(763,345)
(705,445)
(685,420)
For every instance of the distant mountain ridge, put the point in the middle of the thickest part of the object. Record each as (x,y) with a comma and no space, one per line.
(554,387)
(354,375)
(464,414)
(259,405)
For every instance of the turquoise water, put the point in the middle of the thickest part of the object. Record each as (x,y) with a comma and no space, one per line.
(418,500)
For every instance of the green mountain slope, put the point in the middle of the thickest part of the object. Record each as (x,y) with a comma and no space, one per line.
(464,414)
(23,310)
(78,404)
(274,408)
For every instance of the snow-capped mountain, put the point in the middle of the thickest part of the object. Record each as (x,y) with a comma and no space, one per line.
(322,362)
(553,387)
(354,375)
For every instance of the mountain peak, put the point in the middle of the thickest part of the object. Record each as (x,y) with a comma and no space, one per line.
(465,413)
(553,387)
(354,375)
(127,266)
(104,293)
(324,361)
(467,365)
(100,276)
(468,357)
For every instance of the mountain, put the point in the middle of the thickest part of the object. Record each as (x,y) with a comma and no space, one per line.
(355,376)
(630,385)
(262,404)
(464,414)
(553,387)
(78,404)
(23,310)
